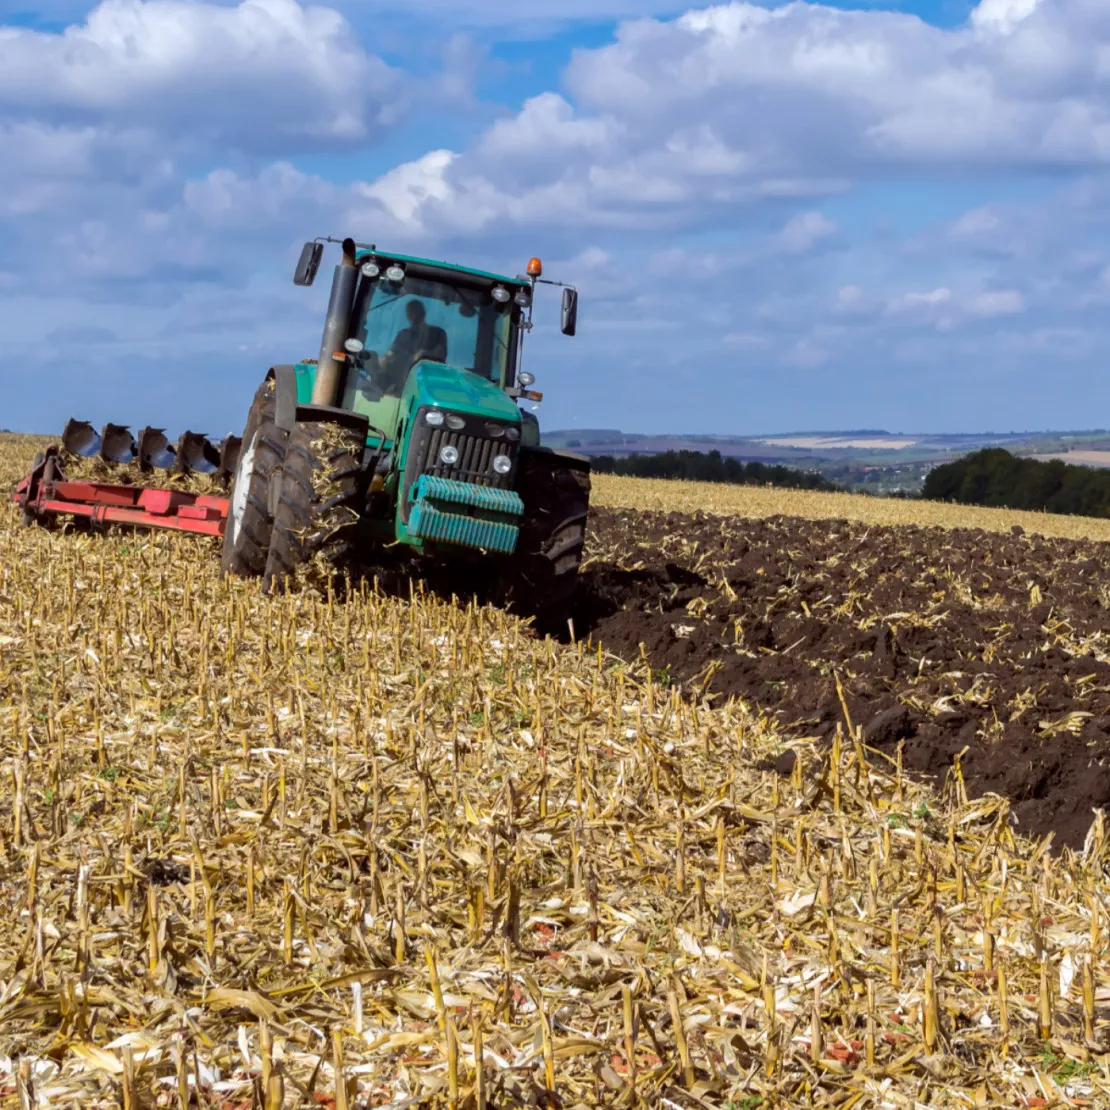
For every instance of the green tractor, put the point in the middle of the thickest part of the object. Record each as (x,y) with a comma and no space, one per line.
(407,430)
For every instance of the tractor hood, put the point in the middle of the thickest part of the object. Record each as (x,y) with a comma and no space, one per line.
(449,387)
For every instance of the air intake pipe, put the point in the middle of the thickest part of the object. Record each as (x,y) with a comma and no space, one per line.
(331,367)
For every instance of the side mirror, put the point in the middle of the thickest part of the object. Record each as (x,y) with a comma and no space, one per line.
(570,310)
(309,263)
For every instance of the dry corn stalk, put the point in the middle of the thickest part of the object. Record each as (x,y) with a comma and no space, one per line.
(378,765)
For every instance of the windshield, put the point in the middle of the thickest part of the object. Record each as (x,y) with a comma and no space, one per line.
(399,325)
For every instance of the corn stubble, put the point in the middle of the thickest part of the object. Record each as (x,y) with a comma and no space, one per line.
(292,851)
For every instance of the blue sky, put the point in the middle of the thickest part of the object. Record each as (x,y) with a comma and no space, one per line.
(791,215)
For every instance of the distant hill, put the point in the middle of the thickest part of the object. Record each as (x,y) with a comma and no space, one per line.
(871,459)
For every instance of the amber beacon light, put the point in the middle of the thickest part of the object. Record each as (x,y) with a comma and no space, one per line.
(535,267)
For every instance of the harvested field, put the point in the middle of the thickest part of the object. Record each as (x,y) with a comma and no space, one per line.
(388,851)
(859,442)
(751,501)
(1079,458)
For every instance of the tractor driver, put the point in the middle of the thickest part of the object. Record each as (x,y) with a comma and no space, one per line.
(418,341)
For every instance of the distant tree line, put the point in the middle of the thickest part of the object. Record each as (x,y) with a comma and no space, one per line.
(700,466)
(996,478)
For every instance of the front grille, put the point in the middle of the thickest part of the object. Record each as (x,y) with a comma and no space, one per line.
(476,455)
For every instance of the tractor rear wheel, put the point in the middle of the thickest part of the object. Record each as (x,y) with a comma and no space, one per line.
(321,498)
(543,571)
(249,520)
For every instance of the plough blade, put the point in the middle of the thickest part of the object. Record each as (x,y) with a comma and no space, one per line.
(230,446)
(194,452)
(81,438)
(197,454)
(117,444)
(155,450)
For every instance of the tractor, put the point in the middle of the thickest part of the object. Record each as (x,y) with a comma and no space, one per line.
(405,432)
(406,429)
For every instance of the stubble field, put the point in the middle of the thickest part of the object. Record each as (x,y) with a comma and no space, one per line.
(321,850)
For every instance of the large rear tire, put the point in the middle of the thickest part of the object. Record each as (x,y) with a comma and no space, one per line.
(249,520)
(320,503)
(542,574)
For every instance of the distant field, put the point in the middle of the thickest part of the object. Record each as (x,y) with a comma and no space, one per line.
(1079,458)
(757,501)
(864,444)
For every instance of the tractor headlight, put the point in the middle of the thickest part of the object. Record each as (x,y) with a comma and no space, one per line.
(395,273)
(495,431)
(499,294)
(434,418)
(455,422)
(502,464)
(449,455)
(522,298)
(512,432)
(370,269)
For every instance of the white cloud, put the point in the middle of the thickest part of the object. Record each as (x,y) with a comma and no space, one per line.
(745,341)
(1000,302)
(405,190)
(948,309)
(805,355)
(804,231)
(263,75)
(225,199)
(976,223)
(1003,15)
(689,121)
(545,127)
(909,302)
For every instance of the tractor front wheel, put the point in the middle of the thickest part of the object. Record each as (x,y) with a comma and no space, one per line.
(249,520)
(320,501)
(543,572)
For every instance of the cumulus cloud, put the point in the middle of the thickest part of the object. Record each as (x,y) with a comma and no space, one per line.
(691,121)
(805,355)
(1002,15)
(805,231)
(908,302)
(998,302)
(264,75)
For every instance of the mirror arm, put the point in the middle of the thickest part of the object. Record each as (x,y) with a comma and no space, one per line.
(549,281)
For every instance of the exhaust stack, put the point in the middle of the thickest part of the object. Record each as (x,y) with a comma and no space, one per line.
(331,366)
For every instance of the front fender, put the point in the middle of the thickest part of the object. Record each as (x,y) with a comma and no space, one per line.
(552,458)
(292,386)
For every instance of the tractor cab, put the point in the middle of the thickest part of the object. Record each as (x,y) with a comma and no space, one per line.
(441,326)
(404,331)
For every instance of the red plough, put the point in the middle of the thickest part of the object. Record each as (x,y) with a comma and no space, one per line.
(46,493)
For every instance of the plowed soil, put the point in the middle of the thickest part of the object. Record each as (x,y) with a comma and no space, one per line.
(949,640)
